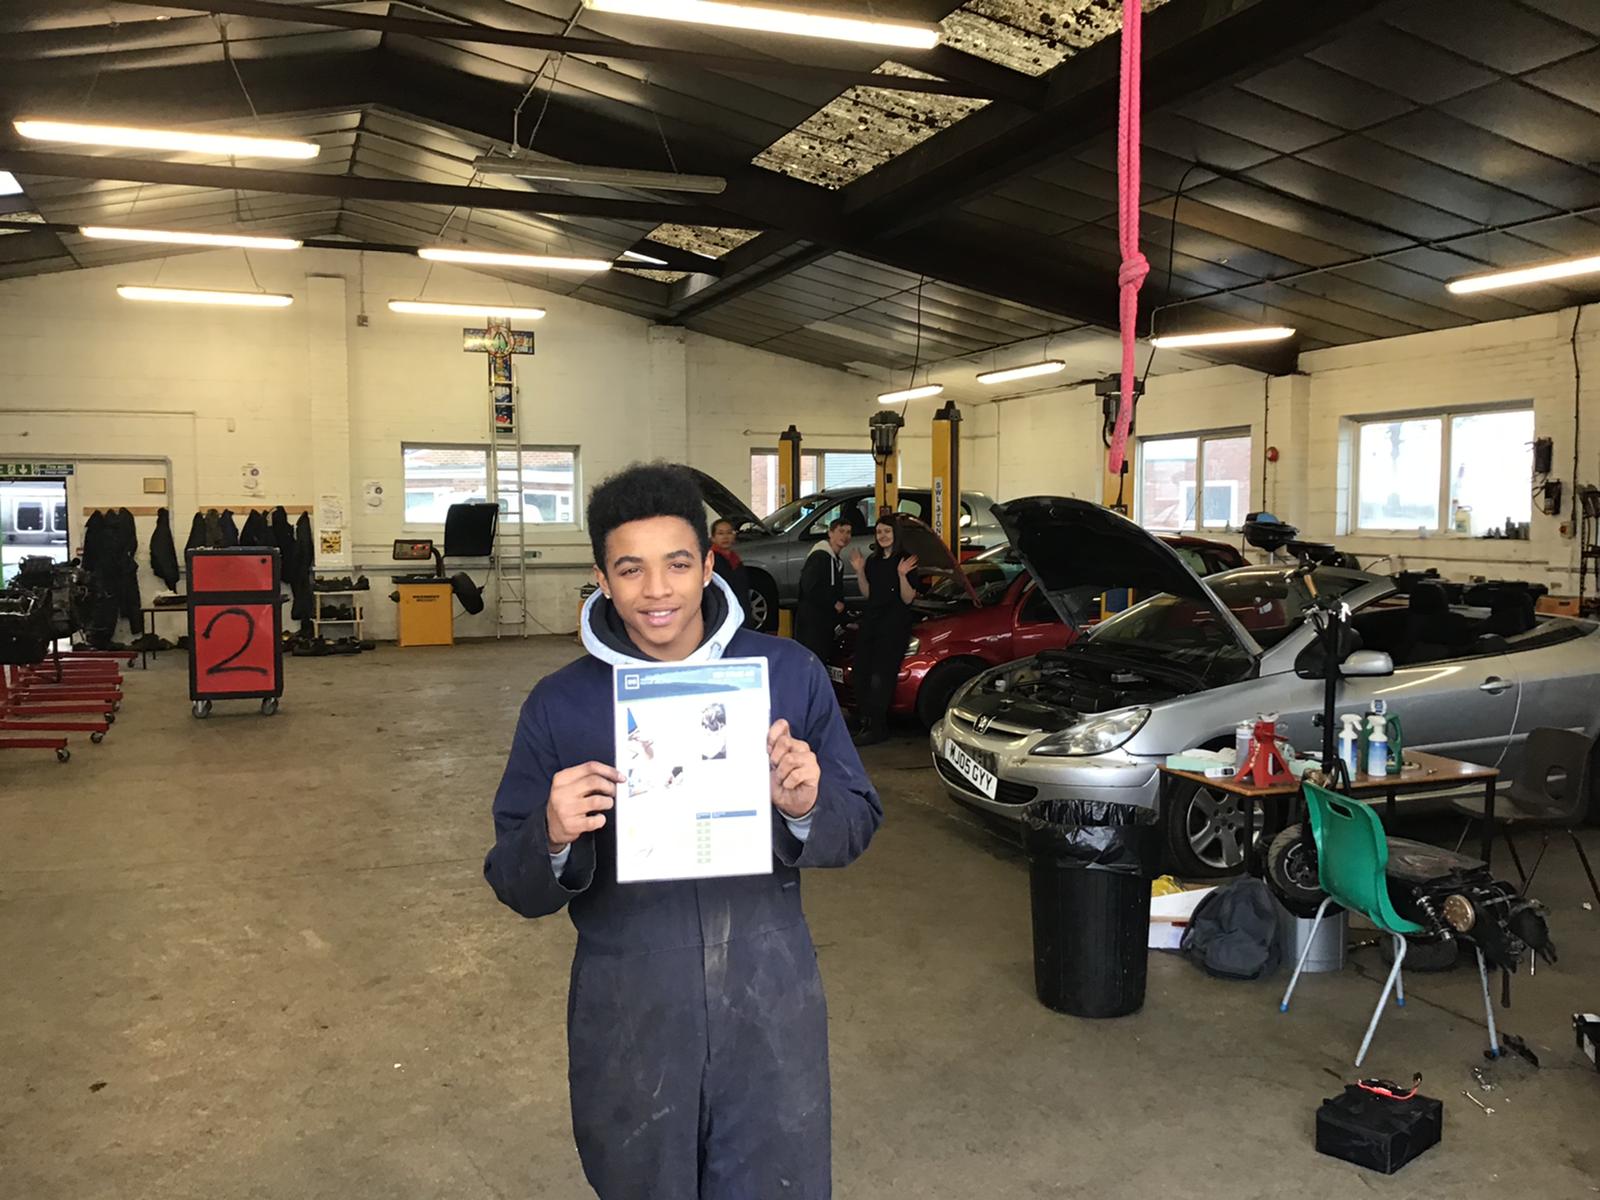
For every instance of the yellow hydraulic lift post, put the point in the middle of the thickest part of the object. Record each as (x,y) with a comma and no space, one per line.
(947,477)
(885,430)
(788,489)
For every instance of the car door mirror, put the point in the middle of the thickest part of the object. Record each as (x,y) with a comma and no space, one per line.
(1367,664)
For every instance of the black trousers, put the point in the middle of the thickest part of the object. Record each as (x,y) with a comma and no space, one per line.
(880,649)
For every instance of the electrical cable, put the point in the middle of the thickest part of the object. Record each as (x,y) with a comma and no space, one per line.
(916,357)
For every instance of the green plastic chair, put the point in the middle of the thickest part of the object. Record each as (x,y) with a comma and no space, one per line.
(1352,866)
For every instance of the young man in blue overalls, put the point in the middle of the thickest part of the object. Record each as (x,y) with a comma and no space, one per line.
(696,1025)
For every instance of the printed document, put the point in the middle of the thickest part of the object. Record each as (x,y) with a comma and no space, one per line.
(695,801)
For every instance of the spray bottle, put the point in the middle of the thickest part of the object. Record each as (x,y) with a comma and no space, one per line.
(1350,743)
(1378,745)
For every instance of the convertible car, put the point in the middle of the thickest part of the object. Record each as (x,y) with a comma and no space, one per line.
(993,613)
(1182,668)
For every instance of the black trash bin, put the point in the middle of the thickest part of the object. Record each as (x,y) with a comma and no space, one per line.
(1090,866)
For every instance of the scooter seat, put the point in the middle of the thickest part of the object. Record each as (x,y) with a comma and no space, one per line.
(1419,863)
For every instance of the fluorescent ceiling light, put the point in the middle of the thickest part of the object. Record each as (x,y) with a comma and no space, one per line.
(1222,337)
(9,185)
(635,256)
(224,144)
(202,296)
(436,308)
(184,238)
(1049,367)
(1565,269)
(493,258)
(777,20)
(666,181)
(916,393)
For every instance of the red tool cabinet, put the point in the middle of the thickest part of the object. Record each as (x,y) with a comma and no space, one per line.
(235,627)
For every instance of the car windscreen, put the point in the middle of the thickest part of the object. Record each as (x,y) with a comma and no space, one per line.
(797,512)
(1188,633)
(990,576)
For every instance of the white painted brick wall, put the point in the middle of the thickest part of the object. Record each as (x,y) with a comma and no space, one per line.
(83,373)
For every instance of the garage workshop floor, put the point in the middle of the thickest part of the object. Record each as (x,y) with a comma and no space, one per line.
(254,957)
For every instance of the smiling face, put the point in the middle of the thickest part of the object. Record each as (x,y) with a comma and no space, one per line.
(654,576)
(839,537)
(884,535)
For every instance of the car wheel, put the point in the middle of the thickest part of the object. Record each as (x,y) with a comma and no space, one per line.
(933,697)
(1292,873)
(1204,831)
(762,603)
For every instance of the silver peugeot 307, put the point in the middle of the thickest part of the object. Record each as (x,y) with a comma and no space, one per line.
(1181,668)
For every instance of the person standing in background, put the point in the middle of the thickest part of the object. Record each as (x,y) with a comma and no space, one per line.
(821,604)
(887,586)
(731,567)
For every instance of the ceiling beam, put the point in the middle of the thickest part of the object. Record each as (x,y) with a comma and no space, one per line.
(351,187)
(991,87)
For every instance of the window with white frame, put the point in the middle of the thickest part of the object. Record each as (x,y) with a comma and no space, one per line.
(1194,482)
(544,492)
(819,469)
(1460,472)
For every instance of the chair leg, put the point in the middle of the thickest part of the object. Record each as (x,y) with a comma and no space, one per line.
(1584,859)
(1488,1005)
(1394,975)
(1400,987)
(1516,859)
(1283,1005)
(1544,846)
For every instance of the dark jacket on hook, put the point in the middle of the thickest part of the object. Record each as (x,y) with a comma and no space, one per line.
(197,534)
(256,531)
(305,561)
(230,530)
(163,554)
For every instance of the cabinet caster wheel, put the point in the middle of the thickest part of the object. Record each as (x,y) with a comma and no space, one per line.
(269,706)
(202,709)
(63,755)
(97,737)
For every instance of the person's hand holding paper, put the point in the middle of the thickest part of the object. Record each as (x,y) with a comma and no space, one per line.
(794,772)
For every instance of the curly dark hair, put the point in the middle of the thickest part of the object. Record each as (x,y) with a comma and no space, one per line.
(644,490)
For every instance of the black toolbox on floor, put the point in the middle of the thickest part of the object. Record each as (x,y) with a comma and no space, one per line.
(1376,1131)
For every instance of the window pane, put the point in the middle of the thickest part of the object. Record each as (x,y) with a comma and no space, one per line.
(1225,471)
(60,518)
(438,476)
(1491,470)
(30,518)
(810,474)
(841,468)
(763,482)
(548,486)
(1399,474)
(1166,482)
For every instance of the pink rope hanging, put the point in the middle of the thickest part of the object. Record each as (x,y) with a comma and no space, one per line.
(1134,267)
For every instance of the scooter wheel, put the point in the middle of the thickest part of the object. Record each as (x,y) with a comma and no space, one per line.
(63,754)
(97,737)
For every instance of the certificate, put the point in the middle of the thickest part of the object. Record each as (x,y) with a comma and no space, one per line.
(695,801)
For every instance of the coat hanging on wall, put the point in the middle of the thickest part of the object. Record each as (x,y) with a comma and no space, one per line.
(163,554)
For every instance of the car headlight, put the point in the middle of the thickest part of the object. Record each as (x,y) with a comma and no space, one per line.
(913,646)
(1096,735)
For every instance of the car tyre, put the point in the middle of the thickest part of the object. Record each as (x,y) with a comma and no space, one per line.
(763,602)
(941,684)
(1203,831)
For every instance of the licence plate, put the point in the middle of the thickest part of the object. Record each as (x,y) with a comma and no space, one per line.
(970,769)
(836,674)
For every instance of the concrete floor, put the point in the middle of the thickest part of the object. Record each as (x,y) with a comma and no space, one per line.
(256,958)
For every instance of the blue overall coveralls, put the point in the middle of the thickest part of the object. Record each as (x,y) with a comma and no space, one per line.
(696,1026)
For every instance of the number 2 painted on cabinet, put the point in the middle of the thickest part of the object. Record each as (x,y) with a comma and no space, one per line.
(222,668)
